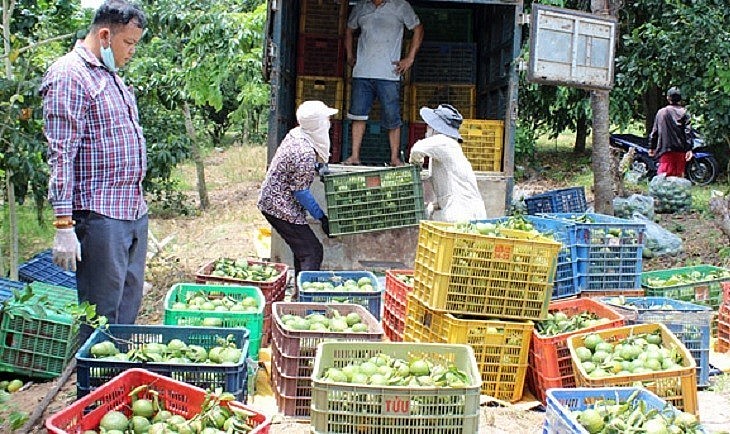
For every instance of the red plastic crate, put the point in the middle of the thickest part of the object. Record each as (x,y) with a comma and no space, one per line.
(396,302)
(335,141)
(269,289)
(723,329)
(179,398)
(725,292)
(296,407)
(320,55)
(390,330)
(549,359)
(612,293)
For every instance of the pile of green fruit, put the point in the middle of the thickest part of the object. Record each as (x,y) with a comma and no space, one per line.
(11,386)
(244,270)
(638,304)
(338,284)
(350,323)
(633,416)
(638,354)
(174,351)
(385,370)
(149,416)
(559,322)
(216,302)
(671,194)
(689,278)
(405,278)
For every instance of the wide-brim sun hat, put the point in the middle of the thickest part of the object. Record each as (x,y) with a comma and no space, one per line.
(314,110)
(444,119)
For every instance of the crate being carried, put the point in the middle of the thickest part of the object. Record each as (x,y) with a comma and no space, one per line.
(698,284)
(566,282)
(190,304)
(184,353)
(372,200)
(35,344)
(460,271)
(549,362)
(669,372)
(297,330)
(563,200)
(563,404)
(609,250)
(690,323)
(342,406)
(356,287)
(41,268)
(398,284)
(500,347)
(117,394)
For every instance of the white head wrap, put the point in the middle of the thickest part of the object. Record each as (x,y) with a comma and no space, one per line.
(314,122)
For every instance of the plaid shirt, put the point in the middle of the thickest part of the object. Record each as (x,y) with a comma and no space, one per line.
(96,150)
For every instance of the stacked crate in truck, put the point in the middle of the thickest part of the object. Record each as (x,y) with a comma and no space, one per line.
(321,59)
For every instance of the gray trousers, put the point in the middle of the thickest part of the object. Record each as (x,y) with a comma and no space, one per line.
(111,272)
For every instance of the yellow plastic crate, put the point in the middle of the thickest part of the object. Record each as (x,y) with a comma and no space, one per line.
(326,89)
(676,386)
(473,274)
(461,96)
(500,347)
(483,143)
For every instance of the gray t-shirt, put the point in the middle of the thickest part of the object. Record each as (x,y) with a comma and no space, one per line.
(381,36)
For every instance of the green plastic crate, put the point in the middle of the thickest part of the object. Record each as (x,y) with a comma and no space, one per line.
(371,200)
(39,346)
(707,290)
(252,321)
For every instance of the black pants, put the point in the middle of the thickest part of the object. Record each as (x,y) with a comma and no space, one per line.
(305,246)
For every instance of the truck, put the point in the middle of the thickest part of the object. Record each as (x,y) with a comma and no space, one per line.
(470,58)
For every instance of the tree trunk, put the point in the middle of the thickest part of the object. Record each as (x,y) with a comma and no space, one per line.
(601,160)
(197,157)
(581,134)
(652,103)
(8,6)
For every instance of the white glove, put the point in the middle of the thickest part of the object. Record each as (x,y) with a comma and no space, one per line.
(66,249)
(416,158)
(430,208)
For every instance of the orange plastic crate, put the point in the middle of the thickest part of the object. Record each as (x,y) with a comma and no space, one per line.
(500,347)
(396,300)
(676,386)
(549,360)
(612,293)
(723,328)
(178,397)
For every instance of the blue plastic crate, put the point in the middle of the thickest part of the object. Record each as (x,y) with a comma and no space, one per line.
(691,323)
(608,251)
(571,199)
(7,287)
(447,62)
(92,373)
(41,268)
(566,283)
(561,402)
(371,300)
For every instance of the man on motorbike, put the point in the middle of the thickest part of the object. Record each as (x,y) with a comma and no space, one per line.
(670,139)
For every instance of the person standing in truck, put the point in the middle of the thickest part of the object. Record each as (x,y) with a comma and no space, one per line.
(670,139)
(457,195)
(378,67)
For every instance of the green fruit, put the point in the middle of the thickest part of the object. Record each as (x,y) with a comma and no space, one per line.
(14,386)
(591,341)
(419,368)
(591,420)
(360,328)
(352,318)
(139,424)
(583,353)
(212,322)
(162,416)
(143,407)
(114,420)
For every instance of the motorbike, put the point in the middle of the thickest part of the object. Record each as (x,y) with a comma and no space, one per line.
(702,169)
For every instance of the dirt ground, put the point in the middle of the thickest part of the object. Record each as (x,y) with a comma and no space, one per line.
(228,228)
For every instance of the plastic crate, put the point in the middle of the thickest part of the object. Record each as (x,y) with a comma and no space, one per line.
(609,251)
(396,302)
(707,290)
(7,287)
(339,407)
(446,25)
(446,62)
(723,329)
(291,388)
(483,143)
(461,96)
(177,397)
(416,132)
(335,141)
(371,300)
(323,16)
(269,289)
(42,269)
(561,403)
(375,145)
(92,373)
(676,386)
(366,201)
(472,274)
(549,360)
(320,55)
(326,89)
(566,282)
(293,406)
(300,346)
(558,201)
(252,321)
(500,347)
(613,293)
(690,322)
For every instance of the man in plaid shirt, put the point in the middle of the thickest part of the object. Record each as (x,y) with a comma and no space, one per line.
(98,158)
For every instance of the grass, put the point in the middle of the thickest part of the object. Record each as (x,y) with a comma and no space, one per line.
(33,237)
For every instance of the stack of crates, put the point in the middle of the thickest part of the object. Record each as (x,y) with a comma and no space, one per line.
(293,351)
(321,60)
(485,291)
(41,268)
(398,285)
(723,320)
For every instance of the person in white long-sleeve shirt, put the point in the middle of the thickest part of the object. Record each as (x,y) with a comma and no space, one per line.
(454,182)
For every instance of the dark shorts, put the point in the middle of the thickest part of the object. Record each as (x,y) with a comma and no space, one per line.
(364,92)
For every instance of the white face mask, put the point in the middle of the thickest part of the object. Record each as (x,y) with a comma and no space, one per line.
(429,132)
(107,57)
